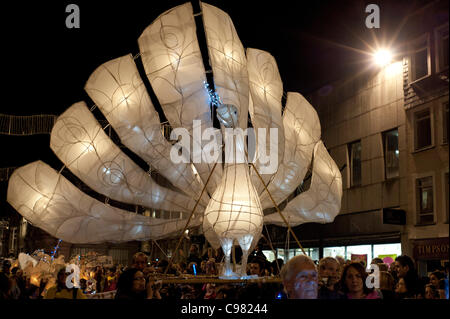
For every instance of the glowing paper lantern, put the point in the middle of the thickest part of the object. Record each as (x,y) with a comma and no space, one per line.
(49,201)
(230,210)
(234,211)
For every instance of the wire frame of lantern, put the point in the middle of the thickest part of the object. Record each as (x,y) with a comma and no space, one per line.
(231,203)
(234,211)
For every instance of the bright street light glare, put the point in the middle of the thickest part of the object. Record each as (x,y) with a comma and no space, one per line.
(382,57)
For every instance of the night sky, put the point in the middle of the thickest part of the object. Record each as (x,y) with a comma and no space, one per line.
(45,65)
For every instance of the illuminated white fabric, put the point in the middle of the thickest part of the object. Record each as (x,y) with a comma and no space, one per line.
(266,90)
(302,132)
(82,145)
(173,64)
(322,201)
(120,94)
(234,212)
(228,61)
(49,201)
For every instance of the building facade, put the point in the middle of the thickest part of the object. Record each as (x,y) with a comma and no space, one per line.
(389,128)
(425,85)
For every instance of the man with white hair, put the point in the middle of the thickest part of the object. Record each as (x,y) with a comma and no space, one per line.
(299,276)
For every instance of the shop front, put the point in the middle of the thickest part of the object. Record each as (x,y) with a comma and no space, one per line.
(431,254)
(358,236)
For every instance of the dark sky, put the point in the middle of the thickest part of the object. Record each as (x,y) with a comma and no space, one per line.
(45,65)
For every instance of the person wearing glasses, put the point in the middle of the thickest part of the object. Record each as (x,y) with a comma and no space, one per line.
(131,285)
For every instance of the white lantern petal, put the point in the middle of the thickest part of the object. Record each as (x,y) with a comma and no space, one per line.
(55,205)
(266,91)
(82,145)
(302,132)
(322,201)
(228,61)
(174,66)
(118,91)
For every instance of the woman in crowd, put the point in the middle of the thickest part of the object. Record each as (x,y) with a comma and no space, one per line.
(131,285)
(435,276)
(353,283)
(431,292)
(402,290)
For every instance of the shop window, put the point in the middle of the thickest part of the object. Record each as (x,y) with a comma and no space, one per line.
(422,129)
(313,253)
(388,251)
(441,38)
(445,123)
(391,154)
(420,58)
(359,253)
(424,200)
(354,150)
(334,251)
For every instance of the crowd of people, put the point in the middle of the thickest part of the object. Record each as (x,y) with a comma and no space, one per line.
(301,278)
(335,278)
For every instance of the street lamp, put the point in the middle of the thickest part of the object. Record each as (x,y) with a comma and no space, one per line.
(382,57)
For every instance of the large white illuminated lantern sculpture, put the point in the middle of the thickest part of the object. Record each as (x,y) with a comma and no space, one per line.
(229,198)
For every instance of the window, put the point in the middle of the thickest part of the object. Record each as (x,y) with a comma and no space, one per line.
(424,199)
(441,37)
(391,154)
(445,123)
(422,129)
(387,250)
(420,63)
(313,253)
(354,150)
(359,253)
(334,251)
(287,254)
